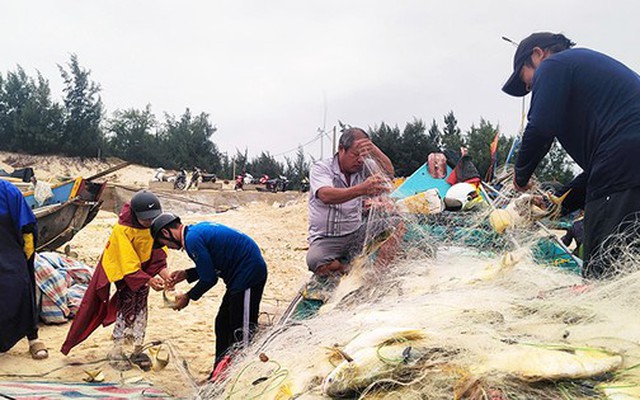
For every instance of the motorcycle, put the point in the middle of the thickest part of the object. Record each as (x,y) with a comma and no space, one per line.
(278,184)
(180,183)
(207,177)
(263,179)
(304,185)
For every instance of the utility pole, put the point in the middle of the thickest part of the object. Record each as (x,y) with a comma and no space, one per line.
(234,169)
(334,139)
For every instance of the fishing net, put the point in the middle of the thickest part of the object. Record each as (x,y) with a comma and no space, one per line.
(441,306)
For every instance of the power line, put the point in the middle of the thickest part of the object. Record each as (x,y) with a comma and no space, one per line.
(316,138)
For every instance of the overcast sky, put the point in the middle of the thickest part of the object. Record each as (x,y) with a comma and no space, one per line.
(267,72)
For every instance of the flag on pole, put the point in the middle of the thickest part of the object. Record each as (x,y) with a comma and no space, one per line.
(494,153)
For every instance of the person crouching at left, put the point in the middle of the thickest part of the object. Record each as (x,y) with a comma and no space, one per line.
(131,262)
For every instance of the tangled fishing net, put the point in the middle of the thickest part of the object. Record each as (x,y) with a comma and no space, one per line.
(441,306)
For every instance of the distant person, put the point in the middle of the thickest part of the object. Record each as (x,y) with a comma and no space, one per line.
(219,252)
(131,262)
(338,186)
(18,310)
(591,103)
(196,177)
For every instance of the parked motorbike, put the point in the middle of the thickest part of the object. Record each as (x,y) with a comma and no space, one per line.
(180,183)
(207,177)
(278,184)
(263,179)
(304,185)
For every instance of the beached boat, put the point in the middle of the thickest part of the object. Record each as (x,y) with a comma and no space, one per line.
(74,204)
(19,183)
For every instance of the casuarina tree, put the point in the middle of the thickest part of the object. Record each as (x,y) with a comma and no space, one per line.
(451,135)
(83,111)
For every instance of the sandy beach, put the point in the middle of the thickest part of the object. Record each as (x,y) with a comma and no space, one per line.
(280,231)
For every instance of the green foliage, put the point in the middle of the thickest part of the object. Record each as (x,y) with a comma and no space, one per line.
(226,167)
(187,142)
(29,120)
(83,110)
(407,150)
(451,135)
(388,139)
(555,166)
(435,135)
(130,138)
(479,141)
(416,146)
(504,146)
(265,164)
(298,169)
(241,160)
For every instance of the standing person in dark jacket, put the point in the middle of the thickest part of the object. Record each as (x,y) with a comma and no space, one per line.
(591,104)
(218,252)
(18,310)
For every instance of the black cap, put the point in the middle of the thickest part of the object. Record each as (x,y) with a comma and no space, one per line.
(145,205)
(514,85)
(161,222)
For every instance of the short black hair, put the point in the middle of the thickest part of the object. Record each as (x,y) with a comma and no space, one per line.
(556,42)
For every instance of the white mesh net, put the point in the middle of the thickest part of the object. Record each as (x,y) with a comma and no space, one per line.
(441,306)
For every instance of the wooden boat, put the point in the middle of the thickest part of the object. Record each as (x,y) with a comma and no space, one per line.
(75,203)
(21,177)
(19,183)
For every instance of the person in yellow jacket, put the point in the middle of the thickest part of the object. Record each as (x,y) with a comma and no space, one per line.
(131,262)
(18,311)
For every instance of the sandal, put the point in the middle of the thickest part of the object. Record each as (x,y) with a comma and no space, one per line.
(141,360)
(118,360)
(159,357)
(38,350)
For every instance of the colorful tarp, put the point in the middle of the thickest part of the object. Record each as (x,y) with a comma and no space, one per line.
(60,390)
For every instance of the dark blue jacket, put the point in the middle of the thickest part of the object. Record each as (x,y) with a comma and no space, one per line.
(591,103)
(222,252)
(18,312)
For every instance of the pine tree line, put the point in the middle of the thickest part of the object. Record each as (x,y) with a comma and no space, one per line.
(31,122)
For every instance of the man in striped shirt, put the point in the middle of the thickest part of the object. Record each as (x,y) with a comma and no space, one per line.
(338,187)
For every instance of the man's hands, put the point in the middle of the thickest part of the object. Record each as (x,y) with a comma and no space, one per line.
(375,185)
(364,147)
(167,280)
(177,277)
(182,300)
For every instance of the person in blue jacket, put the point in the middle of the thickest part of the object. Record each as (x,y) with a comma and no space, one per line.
(219,252)
(590,103)
(18,308)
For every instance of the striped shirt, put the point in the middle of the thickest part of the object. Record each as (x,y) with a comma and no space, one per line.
(330,220)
